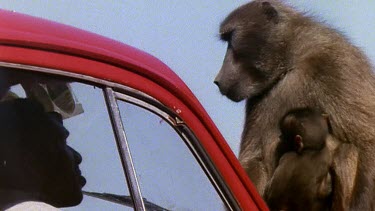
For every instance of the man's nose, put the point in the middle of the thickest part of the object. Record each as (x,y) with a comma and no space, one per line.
(77,156)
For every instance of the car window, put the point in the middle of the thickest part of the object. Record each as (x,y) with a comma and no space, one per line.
(169,175)
(92,134)
(84,114)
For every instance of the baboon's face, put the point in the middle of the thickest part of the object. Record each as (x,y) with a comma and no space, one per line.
(235,80)
(245,31)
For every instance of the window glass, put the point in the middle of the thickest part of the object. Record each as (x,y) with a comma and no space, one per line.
(168,173)
(73,114)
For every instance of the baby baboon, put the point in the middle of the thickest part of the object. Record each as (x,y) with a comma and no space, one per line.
(279,59)
(303,129)
(302,180)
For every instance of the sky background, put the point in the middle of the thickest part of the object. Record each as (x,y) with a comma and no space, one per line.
(184,35)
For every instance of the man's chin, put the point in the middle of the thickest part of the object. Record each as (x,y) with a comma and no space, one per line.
(67,197)
(64,201)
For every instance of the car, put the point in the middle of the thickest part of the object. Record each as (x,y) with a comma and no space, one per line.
(146,141)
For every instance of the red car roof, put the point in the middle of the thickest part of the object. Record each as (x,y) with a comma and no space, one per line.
(24,30)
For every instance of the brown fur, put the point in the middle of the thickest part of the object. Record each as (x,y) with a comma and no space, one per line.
(299,183)
(302,179)
(279,59)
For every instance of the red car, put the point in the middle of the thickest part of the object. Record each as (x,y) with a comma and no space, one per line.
(146,141)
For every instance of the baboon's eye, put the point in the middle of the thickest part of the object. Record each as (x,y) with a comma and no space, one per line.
(226,36)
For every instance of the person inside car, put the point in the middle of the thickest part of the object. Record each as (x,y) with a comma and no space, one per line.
(37,167)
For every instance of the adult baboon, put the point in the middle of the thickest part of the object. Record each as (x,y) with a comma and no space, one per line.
(279,59)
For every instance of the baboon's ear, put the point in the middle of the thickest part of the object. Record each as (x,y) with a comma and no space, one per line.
(298,143)
(270,12)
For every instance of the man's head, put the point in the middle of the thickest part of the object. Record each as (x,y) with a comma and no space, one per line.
(34,156)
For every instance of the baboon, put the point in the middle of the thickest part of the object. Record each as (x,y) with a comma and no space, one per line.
(303,129)
(279,59)
(302,179)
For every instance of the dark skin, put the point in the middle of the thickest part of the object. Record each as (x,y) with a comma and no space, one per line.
(278,59)
(40,166)
(302,179)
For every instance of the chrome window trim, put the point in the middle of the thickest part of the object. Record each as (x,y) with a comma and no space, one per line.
(123,146)
(170,116)
(192,143)
(78,76)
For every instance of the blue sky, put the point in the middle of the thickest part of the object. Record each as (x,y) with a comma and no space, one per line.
(183,34)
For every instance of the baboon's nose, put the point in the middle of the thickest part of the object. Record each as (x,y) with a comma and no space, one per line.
(217,83)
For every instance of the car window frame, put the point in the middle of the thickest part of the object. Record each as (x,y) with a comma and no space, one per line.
(114,91)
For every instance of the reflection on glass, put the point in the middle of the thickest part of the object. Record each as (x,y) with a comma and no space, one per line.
(168,173)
